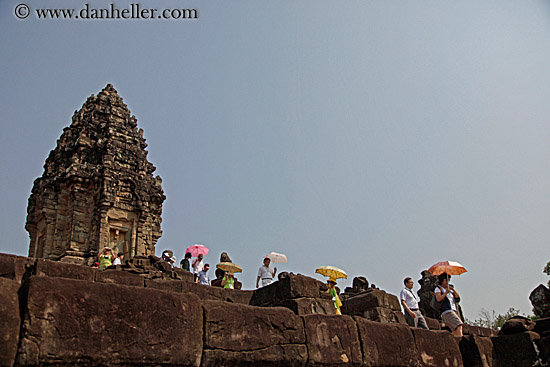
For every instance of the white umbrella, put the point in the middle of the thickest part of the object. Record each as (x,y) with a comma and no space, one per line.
(276,257)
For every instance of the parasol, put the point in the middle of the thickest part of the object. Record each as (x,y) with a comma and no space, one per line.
(449,267)
(230,267)
(276,257)
(332,272)
(197,249)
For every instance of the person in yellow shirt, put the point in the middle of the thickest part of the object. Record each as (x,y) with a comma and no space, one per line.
(331,283)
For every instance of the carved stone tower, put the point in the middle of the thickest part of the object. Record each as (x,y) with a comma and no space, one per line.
(97,189)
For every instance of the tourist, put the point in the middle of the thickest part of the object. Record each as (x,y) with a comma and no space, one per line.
(197,266)
(331,283)
(265,274)
(106,258)
(446,293)
(228,281)
(119,258)
(409,300)
(203,275)
(172,261)
(186,262)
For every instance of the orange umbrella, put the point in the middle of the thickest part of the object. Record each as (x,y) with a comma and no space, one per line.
(449,267)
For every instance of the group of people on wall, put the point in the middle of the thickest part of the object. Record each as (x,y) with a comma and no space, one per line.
(446,296)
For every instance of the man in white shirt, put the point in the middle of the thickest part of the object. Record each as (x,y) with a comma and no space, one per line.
(119,258)
(197,266)
(265,274)
(409,300)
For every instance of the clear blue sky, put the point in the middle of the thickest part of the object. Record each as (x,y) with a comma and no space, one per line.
(376,136)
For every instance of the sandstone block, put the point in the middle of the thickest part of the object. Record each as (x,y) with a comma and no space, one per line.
(332,340)
(356,305)
(205,292)
(517,350)
(540,299)
(543,345)
(120,278)
(437,348)
(289,287)
(236,327)
(386,344)
(9,321)
(516,324)
(542,327)
(477,351)
(385,315)
(63,270)
(14,267)
(307,306)
(287,355)
(72,322)
(433,324)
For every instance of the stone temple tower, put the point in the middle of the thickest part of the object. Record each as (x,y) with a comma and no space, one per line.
(97,189)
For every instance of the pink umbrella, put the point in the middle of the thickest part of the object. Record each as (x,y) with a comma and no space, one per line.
(449,267)
(197,250)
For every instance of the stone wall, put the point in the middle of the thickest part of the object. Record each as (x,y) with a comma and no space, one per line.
(56,314)
(97,189)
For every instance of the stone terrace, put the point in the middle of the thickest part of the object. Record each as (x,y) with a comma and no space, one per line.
(58,314)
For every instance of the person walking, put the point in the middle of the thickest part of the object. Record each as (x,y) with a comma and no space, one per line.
(446,293)
(265,274)
(186,262)
(331,284)
(409,301)
(203,275)
(197,266)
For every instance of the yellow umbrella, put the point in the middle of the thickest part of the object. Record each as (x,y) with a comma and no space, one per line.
(332,272)
(230,267)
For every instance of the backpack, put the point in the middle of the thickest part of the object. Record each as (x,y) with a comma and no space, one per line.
(436,305)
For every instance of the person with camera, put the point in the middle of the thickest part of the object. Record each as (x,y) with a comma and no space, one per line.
(106,258)
(447,294)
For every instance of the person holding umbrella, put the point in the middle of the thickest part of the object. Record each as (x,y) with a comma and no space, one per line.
(265,274)
(446,293)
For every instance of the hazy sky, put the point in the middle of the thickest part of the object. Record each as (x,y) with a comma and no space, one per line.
(376,136)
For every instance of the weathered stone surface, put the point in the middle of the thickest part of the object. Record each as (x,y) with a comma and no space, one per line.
(427,283)
(540,299)
(236,327)
(119,277)
(287,355)
(63,270)
(433,324)
(9,321)
(384,315)
(356,305)
(183,275)
(516,324)
(437,348)
(543,346)
(516,350)
(386,344)
(71,322)
(14,267)
(204,292)
(542,326)
(332,340)
(477,351)
(307,306)
(97,189)
(288,287)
